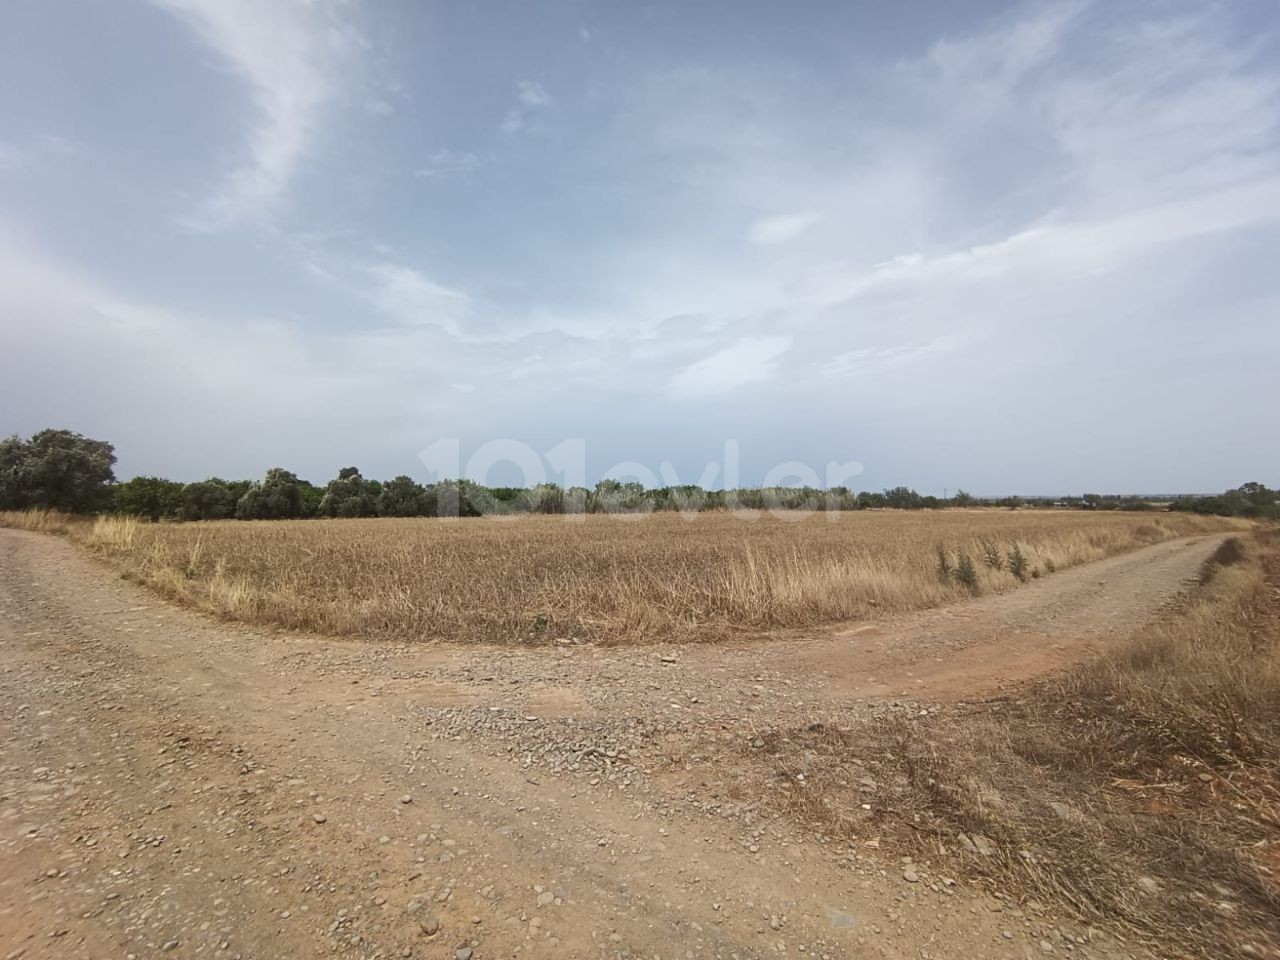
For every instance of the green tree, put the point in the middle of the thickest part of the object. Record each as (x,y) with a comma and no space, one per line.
(312,496)
(13,458)
(349,495)
(401,497)
(208,500)
(57,470)
(277,497)
(903,498)
(150,497)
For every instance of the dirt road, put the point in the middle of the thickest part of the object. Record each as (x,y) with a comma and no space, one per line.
(170,785)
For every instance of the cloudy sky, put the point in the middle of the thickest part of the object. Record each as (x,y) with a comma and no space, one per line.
(1001,246)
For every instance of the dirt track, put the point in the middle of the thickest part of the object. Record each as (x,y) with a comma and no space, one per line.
(171,785)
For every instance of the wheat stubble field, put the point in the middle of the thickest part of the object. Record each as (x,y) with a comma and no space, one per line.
(607,579)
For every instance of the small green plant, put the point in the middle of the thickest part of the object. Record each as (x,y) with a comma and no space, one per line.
(1018,563)
(991,555)
(944,565)
(966,573)
(1050,566)
(540,623)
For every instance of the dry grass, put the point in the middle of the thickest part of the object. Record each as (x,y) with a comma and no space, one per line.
(1142,789)
(38,521)
(603,579)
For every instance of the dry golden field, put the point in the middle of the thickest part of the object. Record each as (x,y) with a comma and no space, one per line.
(602,579)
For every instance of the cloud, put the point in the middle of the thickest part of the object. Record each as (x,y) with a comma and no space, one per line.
(780,229)
(531,96)
(412,299)
(36,152)
(750,360)
(870,359)
(1005,53)
(1060,250)
(287,54)
(444,162)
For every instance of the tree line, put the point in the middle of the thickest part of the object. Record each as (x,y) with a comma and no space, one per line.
(61,470)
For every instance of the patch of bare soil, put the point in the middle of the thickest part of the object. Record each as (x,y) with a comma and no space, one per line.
(169,785)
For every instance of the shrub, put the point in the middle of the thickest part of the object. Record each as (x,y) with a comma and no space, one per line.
(965,573)
(944,566)
(1018,563)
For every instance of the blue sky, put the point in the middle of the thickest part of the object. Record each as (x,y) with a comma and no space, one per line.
(999,246)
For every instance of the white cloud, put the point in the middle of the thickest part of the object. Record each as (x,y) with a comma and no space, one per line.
(1059,250)
(446,161)
(780,229)
(532,94)
(288,54)
(412,299)
(1005,53)
(869,359)
(750,360)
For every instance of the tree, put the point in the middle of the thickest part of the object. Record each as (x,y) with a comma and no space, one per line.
(56,470)
(452,498)
(207,500)
(349,495)
(903,498)
(277,497)
(312,496)
(963,498)
(401,497)
(150,497)
(13,458)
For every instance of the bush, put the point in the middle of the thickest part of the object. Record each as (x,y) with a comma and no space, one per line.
(965,573)
(1018,563)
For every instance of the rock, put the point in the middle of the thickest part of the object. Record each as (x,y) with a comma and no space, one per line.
(319,817)
(1061,810)
(429,925)
(977,843)
(407,798)
(546,898)
(462,953)
(910,875)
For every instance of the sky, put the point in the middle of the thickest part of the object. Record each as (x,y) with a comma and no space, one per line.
(1006,247)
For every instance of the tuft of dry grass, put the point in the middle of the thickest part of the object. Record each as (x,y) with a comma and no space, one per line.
(602,579)
(38,521)
(1141,789)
